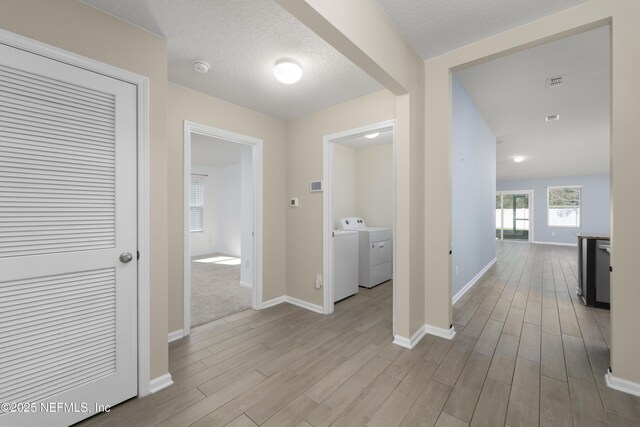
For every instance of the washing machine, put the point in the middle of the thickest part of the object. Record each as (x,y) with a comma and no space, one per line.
(345,264)
(375,265)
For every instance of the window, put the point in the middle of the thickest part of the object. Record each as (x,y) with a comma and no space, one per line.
(564,206)
(197,205)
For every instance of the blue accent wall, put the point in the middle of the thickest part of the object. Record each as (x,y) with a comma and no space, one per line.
(473,180)
(595,205)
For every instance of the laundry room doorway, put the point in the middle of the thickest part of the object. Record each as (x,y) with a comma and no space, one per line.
(359,214)
(223,222)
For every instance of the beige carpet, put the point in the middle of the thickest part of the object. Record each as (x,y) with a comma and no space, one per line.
(215,288)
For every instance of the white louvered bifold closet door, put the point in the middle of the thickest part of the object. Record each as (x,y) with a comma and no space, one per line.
(68,305)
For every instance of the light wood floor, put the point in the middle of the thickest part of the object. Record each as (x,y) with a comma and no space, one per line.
(526,354)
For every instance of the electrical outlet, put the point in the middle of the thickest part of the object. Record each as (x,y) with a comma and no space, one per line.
(246,263)
(457,272)
(318,281)
(553,233)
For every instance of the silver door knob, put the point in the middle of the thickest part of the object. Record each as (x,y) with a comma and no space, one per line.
(126,257)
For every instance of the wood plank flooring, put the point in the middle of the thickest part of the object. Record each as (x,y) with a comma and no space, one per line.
(527,353)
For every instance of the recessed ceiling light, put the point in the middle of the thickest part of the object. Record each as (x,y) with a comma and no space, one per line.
(372,135)
(287,71)
(552,118)
(518,159)
(201,66)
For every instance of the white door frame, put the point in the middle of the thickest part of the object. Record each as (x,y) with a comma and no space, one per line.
(256,168)
(327,269)
(531,212)
(142,88)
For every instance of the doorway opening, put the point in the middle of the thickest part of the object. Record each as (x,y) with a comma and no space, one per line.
(514,216)
(359,211)
(222,218)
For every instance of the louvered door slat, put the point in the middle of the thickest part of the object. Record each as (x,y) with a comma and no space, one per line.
(55,163)
(16,115)
(32,89)
(41,356)
(50,347)
(69,149)
(43,314)
(59,156)
(56,144)
(26,110)
(23,380)
(17,129)
(44,105)
(47,329)
(55,84)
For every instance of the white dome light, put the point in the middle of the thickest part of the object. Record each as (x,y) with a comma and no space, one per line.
(372,135)
(287,71)
(518,159)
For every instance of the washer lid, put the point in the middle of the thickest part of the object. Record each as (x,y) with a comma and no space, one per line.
(352,223)
(340,233)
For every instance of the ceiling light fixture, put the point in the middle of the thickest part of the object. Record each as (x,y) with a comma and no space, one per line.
(372,135)
(287,71)
(518,159)
(552,118)
(201,67)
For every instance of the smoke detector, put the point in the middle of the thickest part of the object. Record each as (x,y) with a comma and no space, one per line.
(552,118)
(201,67)
(555,81)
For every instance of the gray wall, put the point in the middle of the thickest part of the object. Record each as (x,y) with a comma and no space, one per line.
(595,205)
(473,167)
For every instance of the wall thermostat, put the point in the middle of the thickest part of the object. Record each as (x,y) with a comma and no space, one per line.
(293,202)
(315,186)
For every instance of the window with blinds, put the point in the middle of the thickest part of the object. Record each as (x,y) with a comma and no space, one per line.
(197,205)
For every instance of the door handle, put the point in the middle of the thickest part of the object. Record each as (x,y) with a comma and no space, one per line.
(126,257)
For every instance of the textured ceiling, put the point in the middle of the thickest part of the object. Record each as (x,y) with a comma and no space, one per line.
(437,26)
(209,151)
(511,94)
(242,40)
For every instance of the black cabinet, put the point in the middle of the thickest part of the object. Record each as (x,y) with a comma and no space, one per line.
(593,270)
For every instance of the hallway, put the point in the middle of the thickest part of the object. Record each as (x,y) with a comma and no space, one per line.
(526,354)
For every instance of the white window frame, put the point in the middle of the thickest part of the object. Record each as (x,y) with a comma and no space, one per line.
(191,205)
(553,187)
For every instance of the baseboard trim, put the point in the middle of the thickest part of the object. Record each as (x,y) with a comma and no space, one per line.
(176,335)
(274,301)
(447,334)
(621,384)
(304,304)
(425,329)
(295,301)
(246,285)
(410,342)
(472,282)
(160,383)
(554,243)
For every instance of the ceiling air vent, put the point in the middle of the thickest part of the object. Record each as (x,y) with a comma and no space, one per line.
(552,118)
(556,81)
